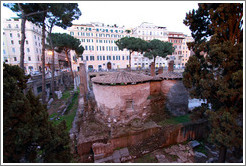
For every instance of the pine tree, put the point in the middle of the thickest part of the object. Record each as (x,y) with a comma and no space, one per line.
(215,72)
(27,131)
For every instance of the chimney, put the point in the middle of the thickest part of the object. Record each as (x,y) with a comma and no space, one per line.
(170,66)
(152,69)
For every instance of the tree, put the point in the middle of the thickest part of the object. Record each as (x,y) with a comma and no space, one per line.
(26,128)
(60,15)
(132,44)
(25,11)
(66,43)
(158,48)
(215,72)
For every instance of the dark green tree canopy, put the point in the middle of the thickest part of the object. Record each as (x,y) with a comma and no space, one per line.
(132,44)
(215,72)
(64,13)
(27,131)
(158,48)
(65,42)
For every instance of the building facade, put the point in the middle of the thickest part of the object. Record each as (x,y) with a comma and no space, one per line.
(32,48)
(101,52)
(148,31)
(98,39)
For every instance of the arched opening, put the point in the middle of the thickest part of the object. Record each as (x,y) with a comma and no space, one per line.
(109,66)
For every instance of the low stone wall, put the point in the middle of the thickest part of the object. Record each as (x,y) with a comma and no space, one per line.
(183,132)
(165,136)
(133,138)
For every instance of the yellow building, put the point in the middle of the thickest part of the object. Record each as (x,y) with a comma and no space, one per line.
(101,52)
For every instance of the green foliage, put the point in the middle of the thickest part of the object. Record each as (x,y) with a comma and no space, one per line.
(199,112)
(158,48)
(26,129)
(69,116)
(175,120)
(215,73)
(65,42)
(201,148)
(65,95)
(132,44)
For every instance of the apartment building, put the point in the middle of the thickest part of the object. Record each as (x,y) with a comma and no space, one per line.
(101,52)
(33,46)
(149,31)
(182,53)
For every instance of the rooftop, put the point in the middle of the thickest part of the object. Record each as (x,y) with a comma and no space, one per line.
(122,78)
(170,75)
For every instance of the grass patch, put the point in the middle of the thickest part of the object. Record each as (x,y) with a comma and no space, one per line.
(65,95)
(148,158)
(175,120)
(71,112)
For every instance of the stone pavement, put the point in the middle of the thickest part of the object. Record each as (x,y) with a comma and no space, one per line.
(118,156)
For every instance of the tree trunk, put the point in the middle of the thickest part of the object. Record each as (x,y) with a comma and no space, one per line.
(53,74)
(43,61)
(23,38)
(53,63)
(70,65)
(222,155)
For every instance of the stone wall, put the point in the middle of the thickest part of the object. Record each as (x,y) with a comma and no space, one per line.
(155,87)
(163,137)
(121,102)
(62,81)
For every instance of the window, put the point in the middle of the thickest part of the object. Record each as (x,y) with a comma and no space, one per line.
(113,57)
(27,49)
(34,36)
(15,59)
(4,52)
(26,41)
(103,57)
(13,50)
(10,35)
(16,26)
(12,41)
(81,58)
(29,58)
(91,58)
(98,58)
(86,48)
(18,35)
(71,33)
(123,57)
(87,58)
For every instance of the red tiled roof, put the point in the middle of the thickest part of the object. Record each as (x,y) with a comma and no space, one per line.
(122,77)
(167,75)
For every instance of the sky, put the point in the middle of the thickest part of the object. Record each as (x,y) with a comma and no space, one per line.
(130,14)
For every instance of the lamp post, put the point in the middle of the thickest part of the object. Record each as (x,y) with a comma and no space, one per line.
(51,52)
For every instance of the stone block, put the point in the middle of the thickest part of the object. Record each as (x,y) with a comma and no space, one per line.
(50,101)
(194,144)
(199,155)
(116,155)
(98,156)
(124,152)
